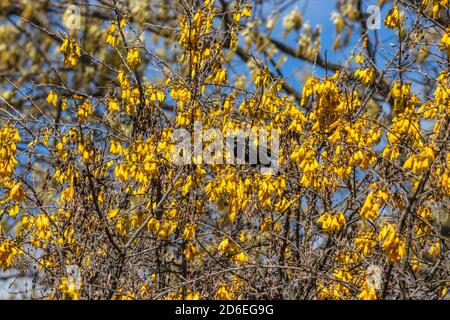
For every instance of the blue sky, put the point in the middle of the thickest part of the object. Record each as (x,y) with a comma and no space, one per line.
(318,12)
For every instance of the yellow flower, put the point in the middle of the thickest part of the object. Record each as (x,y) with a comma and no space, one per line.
(84,111)
(71,51)
(393,20)
(17,192)
(190,251)
(366,76)
(191,295)
(241,258)
(113,105)
(153,225)
(112,38)
(112,213)
(365,243)
(375,199)
(7,253)
(332,222)
(52,98)
(435,249)
(367,294)
(223,293)
(122,227)
(445,40)
(393,243)
(247,12)
(69,288)
(14,210)
(123,21)
(116,147)
(223,246)
(133,58)
(189,231)
(422,161)
(42,227)
(63,103)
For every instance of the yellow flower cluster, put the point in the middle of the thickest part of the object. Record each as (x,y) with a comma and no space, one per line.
(9,136)
(69,288)
(13,190)
(230,292)
(336,290)
(130,95)
(42,229)
(401,95)
(305,156)
(192,37)
(223,293)
(332,222)
(422,228)
(393,19)
(71,51)
(190,251)
(140,162)
(349,274)
(7,253)
(113,36)
(52,98)
(365,242)
(133,58)
(113,105)
(406,126)
(392,242)
(367,293)
(442,94)
(375,199)
(16,192)
(84,111)
(422,161)
(366,76)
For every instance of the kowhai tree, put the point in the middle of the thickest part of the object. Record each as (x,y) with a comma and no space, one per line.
(93,204)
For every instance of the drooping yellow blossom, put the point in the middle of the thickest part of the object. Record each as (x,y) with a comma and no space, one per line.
(113,105)
(375,199)
(189,231)
(365,242)
(422,161)
(435,249)
(7,253)
(113,37)
(247,12)
(190,251)
(71,51)
(366,76)
(52,98)
(223,246)
(241,258)
(133,58)
(392,242)
(112,213)
(393,20)
(69,288)
(332,222)
(223,293)
(367,294)
(17,192)
(9,136)
(84,111)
